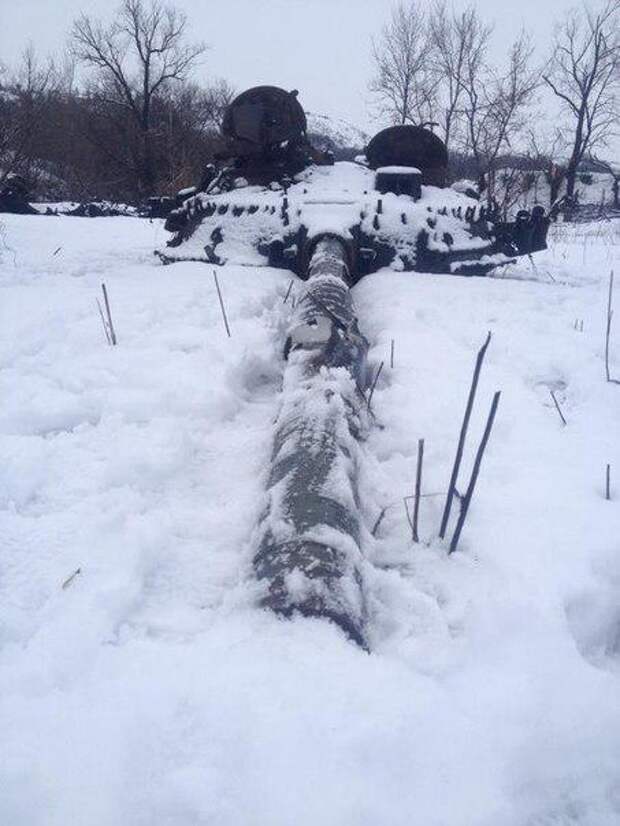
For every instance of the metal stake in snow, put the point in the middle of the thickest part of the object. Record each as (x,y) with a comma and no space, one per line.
(309,552)
(223,309)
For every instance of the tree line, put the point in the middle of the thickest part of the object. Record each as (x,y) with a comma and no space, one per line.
(122,118)
(433,67)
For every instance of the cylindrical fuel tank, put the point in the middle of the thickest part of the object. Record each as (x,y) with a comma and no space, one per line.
(413,146)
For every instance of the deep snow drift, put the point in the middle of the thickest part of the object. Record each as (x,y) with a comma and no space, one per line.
(150,690)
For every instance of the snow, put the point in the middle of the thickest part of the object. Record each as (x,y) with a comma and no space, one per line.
(333,199)
(66,206)
(151,689)
(337,130)
(398,170)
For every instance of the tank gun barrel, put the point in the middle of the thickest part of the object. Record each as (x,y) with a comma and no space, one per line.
(309,553)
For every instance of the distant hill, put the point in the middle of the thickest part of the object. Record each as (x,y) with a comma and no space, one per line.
(343,138)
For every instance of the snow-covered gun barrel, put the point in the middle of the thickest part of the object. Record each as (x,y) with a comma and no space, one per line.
(271,198)
(309,552)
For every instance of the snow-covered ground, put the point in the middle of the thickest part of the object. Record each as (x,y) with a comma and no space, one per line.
(338,131)
(149,690)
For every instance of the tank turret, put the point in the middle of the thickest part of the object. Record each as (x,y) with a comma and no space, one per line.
(267,200)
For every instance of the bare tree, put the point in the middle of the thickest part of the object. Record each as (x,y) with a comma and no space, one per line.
(137,57)
(215,99)
(193,115)
(403,83)
(22,105)
(459,43)
(437,68)
(544,151)
(494,104)
(584,73)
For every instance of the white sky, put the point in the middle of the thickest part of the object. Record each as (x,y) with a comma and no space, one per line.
(321,47)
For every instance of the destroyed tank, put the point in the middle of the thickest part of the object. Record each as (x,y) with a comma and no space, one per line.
(270,194)
(274,199)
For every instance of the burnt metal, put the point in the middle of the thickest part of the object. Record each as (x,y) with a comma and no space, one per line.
(400,181)
(263,117)
(160,207)
(408,145)
(265,136)
(265,132)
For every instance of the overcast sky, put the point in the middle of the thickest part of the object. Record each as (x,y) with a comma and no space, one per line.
(321,47)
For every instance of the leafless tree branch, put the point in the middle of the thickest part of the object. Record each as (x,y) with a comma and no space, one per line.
(583,72)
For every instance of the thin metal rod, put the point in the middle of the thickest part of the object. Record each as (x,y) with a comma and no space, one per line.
(462,437)
(610,315)
(466,499)
(70,579)
(608,482)
(105,326)
(288,292)
(109,314)
(374,384)
(418,487)
(407,514)
(557,407)
(379,521)
(219,294)
(392,355)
